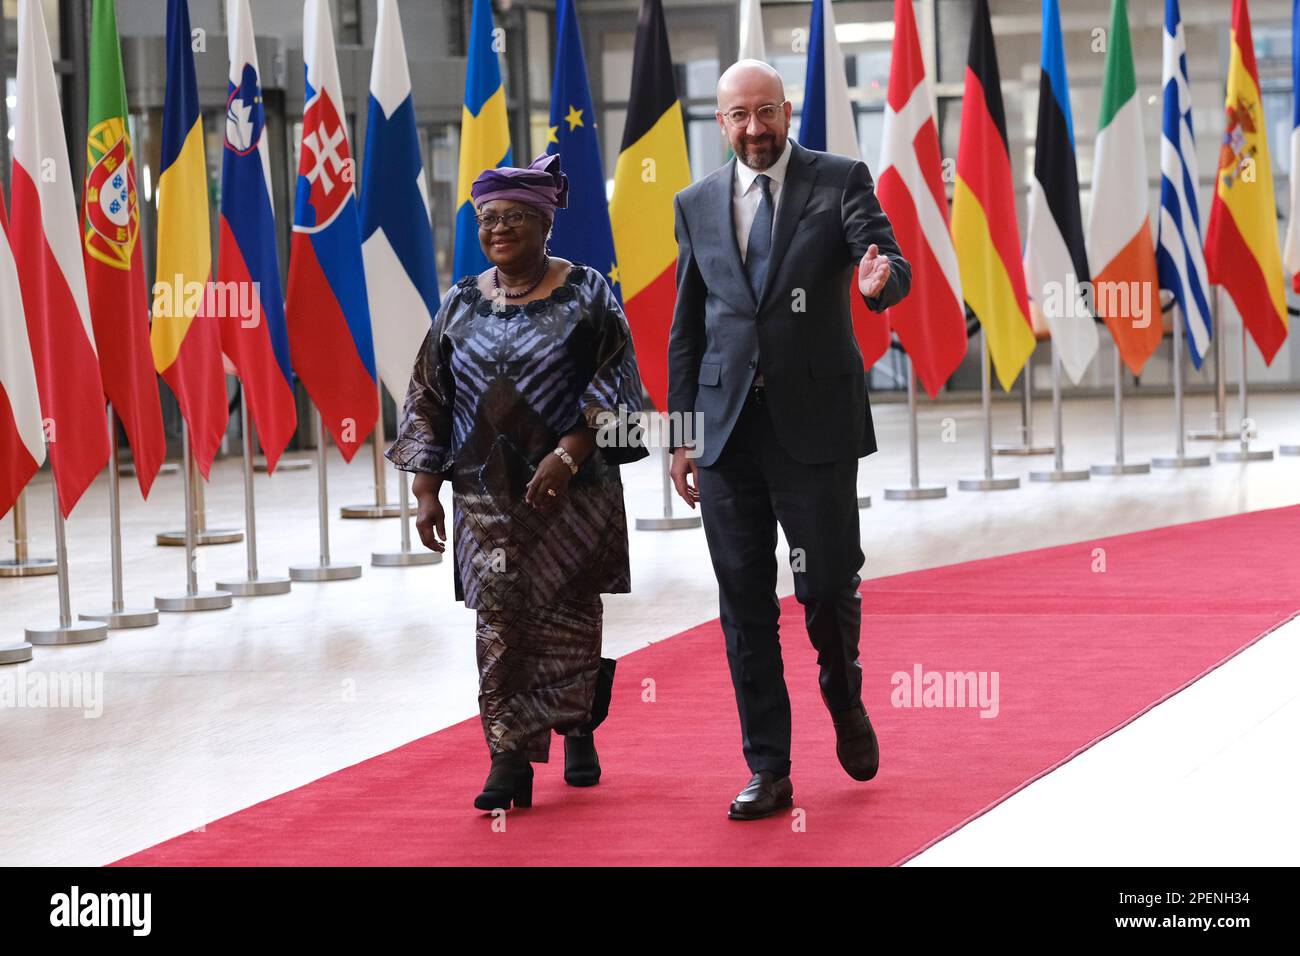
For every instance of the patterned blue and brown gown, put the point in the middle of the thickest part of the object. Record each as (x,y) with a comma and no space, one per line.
(493,389)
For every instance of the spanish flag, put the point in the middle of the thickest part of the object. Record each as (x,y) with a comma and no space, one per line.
(652,168)
(1241,247)
(984,226)
(186,337)
(484,136)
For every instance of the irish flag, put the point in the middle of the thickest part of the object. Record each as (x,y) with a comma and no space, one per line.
(1241,247)
(1120,249)
(46,244)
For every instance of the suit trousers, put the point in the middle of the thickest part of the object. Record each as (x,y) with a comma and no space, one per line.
(752,486)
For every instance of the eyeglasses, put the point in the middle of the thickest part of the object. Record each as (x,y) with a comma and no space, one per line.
(513,219)
(767,114)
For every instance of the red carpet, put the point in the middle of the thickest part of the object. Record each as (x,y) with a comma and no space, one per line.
(1078,654)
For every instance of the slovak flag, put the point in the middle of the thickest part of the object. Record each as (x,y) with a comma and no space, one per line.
(327,308)
(398,247)
(258,342)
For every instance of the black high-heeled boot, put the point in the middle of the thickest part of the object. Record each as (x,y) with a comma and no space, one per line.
(510,779)
(581,764)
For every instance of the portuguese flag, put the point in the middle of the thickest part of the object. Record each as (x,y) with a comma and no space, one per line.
(652,168)
(119,300)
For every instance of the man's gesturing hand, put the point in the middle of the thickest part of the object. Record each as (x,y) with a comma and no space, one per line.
(681,469)
(873,272)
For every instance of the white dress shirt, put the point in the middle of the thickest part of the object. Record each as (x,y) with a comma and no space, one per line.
(746,196)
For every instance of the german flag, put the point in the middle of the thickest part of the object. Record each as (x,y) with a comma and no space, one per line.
(652,167)
(1241,247)
(984,226)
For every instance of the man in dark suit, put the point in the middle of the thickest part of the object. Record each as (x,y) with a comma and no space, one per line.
(762,354)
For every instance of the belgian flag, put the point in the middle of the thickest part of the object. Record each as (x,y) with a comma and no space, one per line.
(652,168)
(984,226)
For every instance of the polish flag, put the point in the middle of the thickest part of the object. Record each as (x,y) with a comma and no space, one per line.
(47,249)
(22,446)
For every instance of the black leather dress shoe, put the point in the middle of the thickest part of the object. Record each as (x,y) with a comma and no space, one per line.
(765,794)
(855,743)
(581,763)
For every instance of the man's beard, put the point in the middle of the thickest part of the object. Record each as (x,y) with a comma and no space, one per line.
(761,152)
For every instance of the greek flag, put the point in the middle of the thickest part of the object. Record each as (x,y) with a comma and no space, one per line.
(1179,255)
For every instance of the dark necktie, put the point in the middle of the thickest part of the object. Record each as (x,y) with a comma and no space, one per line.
(759,250)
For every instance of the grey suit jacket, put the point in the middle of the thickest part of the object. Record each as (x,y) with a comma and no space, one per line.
(800,329)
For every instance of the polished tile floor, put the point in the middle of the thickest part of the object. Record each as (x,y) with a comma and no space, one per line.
(211,712)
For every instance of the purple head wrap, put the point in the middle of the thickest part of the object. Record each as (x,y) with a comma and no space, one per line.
(539,184)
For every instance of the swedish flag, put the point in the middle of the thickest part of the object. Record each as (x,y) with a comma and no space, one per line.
(582,232)
(484,135)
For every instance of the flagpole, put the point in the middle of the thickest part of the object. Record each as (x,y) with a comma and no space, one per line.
(67,631)
(203,535)
(667,522)
(1059,472)
(988,482)
(1026,446)
(192,599)
(325,570)
(381,508)
(253,585)
(1118,467)
(1245,452)
(1179,459)
(118,616)
(22,565)
(914,490)
(1220,430)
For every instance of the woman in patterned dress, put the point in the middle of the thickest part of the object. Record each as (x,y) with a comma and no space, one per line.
(521,367)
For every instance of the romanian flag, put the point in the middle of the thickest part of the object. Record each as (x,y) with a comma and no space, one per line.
(186,337)
(652,168)
(984,226)
(119,299)
(1241,247)
(46,243)
(255,336)
(484,136)
(582,231)
(930,322)
(1126,287)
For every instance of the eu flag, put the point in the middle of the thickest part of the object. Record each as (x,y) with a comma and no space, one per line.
(582,232)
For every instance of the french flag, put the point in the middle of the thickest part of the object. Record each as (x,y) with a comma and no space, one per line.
(257,344)
(327,308)
(397,243)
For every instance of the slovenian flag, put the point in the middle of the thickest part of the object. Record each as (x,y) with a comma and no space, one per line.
(1056,258)
(327,308)
(1180,256)
(257,343)
(484,136)
(186,338)
(22,442)
(826,123)
(397,240)
(46,243)
(984,226)
(1241,247)
(582,231)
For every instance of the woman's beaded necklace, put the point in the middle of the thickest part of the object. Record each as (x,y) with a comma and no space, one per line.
(496,280)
